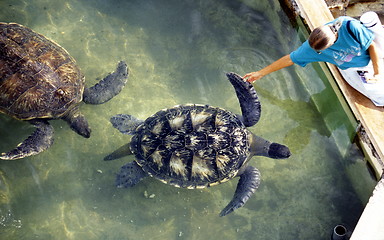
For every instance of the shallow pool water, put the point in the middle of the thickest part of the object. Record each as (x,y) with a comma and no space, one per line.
(178,52)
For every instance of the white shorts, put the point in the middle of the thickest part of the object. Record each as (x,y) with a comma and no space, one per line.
(356,78)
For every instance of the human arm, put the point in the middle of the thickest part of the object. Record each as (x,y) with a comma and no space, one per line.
(275,66)
(377,63)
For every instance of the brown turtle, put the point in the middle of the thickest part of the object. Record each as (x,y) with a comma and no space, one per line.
(198,146)
(40,81)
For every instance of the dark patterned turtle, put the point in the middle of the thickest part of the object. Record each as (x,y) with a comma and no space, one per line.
(197,146)
(40,81)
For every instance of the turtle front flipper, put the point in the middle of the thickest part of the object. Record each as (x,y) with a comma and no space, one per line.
(40,140)
(130,174)
(248,184)
(126,124)
(248,99)
(107,88)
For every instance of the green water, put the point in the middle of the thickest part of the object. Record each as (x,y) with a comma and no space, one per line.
(178,52)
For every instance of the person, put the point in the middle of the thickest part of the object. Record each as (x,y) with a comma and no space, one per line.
(346,43)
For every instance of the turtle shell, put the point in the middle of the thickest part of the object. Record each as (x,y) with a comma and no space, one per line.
(38,78)
(192,146)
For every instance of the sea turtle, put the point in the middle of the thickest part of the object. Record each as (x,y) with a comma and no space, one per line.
(40,81)
(197,146)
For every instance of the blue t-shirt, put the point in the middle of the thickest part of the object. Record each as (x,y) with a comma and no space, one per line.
(346,52)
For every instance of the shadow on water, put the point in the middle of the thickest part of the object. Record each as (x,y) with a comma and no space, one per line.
(177,52)
(304,114)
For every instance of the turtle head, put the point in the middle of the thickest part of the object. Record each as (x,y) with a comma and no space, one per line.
(278,151)
(263,147)
(78,123)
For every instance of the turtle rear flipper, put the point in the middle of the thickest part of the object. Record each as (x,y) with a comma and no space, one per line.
(107,88)
(40,140)
(125,123)
(130,174)
(248,184)
(248,99)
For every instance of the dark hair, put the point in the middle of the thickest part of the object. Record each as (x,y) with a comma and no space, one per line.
(321,38)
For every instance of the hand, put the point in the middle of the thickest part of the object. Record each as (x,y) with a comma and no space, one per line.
(376,78)
(253,76)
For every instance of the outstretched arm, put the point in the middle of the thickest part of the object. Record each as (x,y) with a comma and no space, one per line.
(277,65)
(377,63)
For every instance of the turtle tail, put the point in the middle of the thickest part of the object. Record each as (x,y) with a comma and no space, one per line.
(119,153)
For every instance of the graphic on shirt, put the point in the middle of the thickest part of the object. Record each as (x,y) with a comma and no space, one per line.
(346,55)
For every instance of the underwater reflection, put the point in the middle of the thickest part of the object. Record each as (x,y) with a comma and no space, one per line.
(177,52)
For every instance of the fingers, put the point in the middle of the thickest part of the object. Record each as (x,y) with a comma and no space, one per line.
(250,80)
(247,75)
(250,77)
(376,78)
(372,80)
